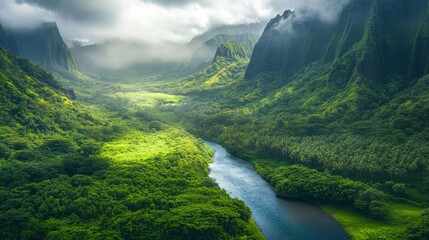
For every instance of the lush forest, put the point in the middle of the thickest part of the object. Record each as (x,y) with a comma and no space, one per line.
(70,171)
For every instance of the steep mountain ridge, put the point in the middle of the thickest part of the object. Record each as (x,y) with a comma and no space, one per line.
(233,51)
(382,33)
(252,28)
(43,45)
(208,49)
(33,98)
(8,41)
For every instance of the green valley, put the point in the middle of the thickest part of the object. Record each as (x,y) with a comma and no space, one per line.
(331,108)
(70,171)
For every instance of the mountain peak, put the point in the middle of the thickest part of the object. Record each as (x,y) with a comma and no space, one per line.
(45,46)
(233,51)
(49,25)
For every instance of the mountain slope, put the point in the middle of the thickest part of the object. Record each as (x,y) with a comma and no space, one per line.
(369,28)
(225,69)
(31,97)
(43,45)
(234,51)
(252,28)
(208,49)
(8,41)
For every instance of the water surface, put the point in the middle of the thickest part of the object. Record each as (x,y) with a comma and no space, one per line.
(277,218)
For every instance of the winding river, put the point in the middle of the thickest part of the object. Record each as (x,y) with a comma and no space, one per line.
(278,219)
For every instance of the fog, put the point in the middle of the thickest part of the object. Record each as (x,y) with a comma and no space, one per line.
(150,30)
(118,54)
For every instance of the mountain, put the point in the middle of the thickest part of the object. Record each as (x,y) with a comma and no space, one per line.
(384,37)
(7,40)
(252,28)
(31,97)
(209,48)
(43,45)
(233,51)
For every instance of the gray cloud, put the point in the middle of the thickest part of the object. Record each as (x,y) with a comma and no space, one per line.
(79,10)
(326,10)
(178,2)
(153,22)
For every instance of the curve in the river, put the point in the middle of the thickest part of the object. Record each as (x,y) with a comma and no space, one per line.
(278,219)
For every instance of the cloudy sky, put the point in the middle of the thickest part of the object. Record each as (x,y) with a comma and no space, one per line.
(148,20)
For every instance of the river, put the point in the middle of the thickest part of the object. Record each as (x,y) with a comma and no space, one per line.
(277,218)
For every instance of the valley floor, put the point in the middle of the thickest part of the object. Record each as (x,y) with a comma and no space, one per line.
(145,100)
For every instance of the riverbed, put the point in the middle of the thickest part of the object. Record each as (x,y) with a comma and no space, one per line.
(277,218)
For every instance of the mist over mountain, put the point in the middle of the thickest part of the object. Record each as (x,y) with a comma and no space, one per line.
(206,52)
(252,28)
(119,54)
(384,38)
(44,45)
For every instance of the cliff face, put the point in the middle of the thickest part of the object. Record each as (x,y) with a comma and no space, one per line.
(208,49)
(232,51)
(8,41)
(43,45)
(383,37)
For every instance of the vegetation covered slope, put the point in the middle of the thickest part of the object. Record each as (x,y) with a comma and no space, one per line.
(72,172)
(234,51)
(381,33)
(209,48)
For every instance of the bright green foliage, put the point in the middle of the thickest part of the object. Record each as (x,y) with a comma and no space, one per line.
(360,226)
(33,99)
(421,230)
(298,182)
(210,47)
(234,51)
(69,173)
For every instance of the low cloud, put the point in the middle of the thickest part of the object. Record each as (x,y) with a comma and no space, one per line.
(152,20)
(79,10)
(158,25)
(322,10)
(119,54)
(325,10)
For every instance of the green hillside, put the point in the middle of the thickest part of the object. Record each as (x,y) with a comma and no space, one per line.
(234,51)
(209,48)
(69,171)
